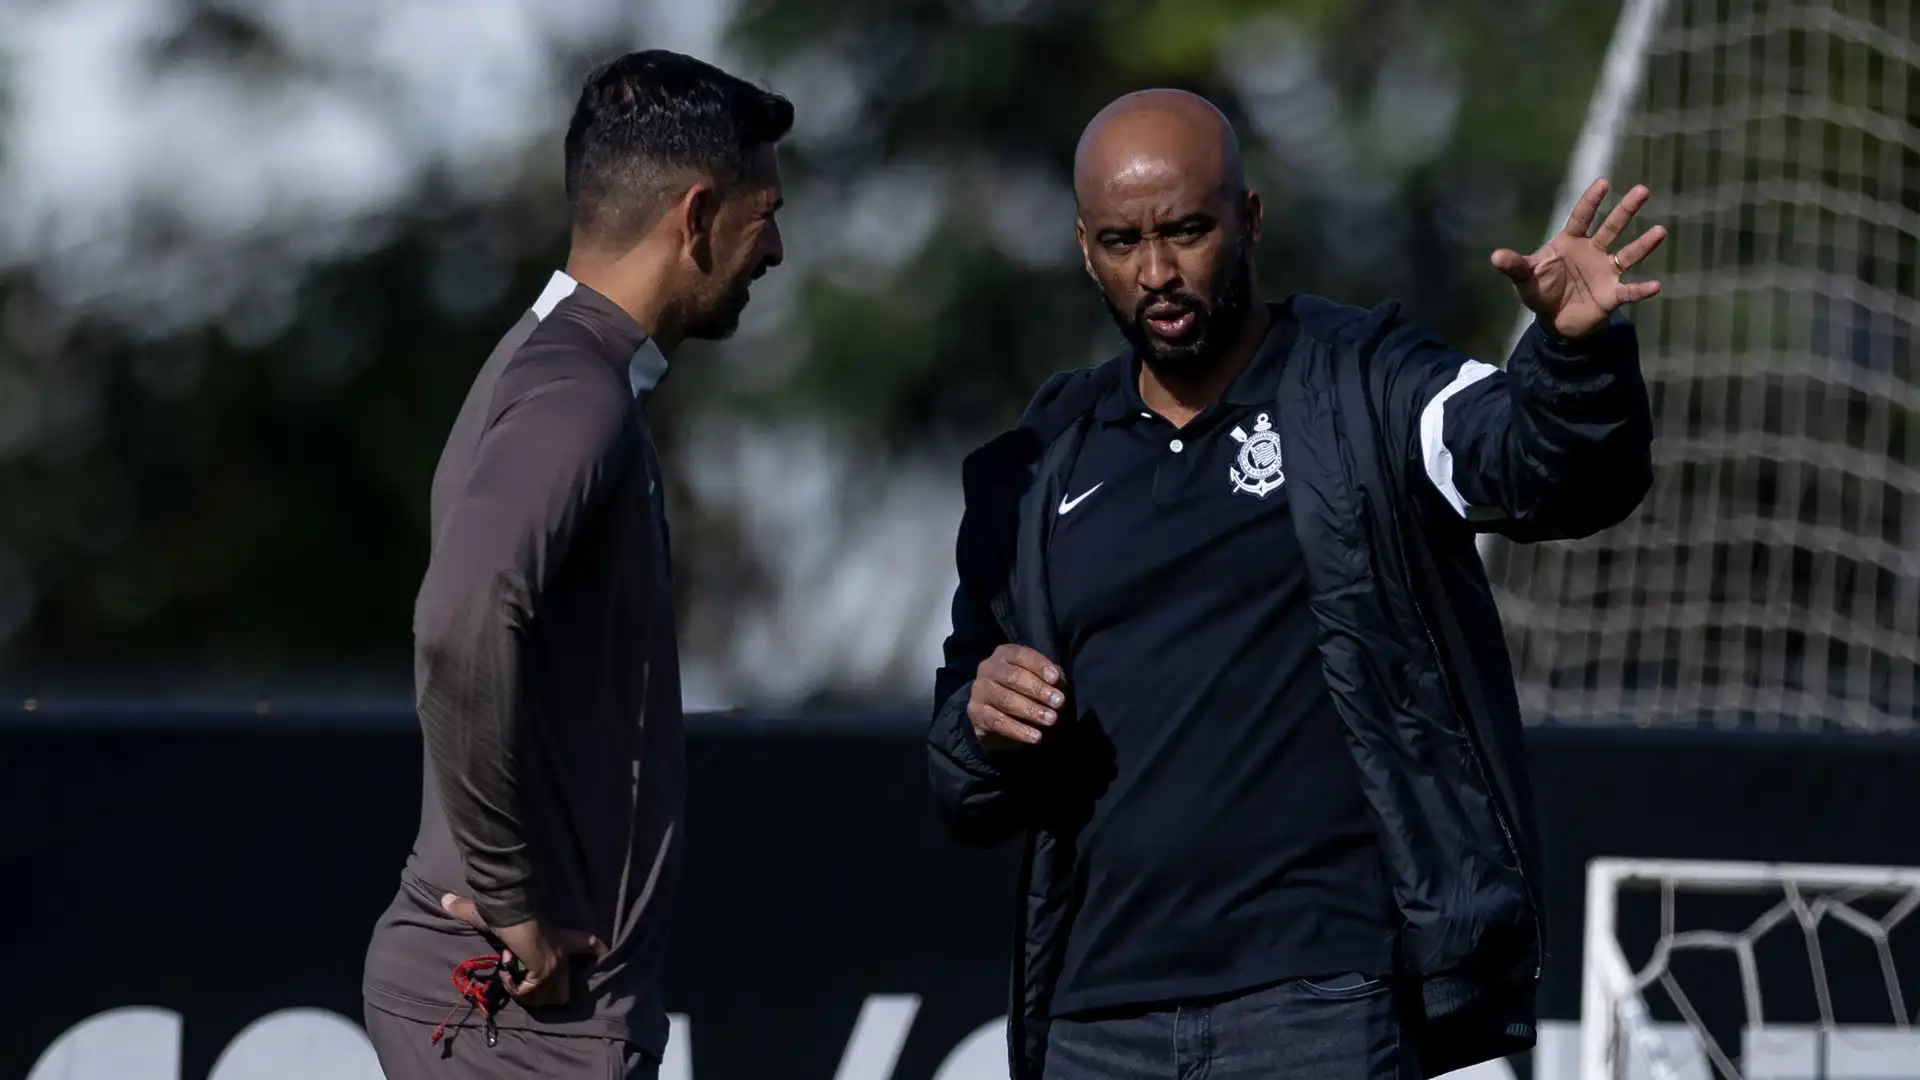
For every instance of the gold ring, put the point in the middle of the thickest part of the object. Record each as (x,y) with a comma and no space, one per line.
(1617,268)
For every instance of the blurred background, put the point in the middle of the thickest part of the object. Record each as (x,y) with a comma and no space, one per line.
(252,253)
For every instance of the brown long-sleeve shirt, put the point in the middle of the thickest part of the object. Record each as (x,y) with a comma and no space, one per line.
(547,679)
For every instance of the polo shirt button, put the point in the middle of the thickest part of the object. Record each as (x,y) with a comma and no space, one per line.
(1176,446)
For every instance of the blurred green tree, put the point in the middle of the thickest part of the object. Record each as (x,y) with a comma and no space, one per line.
(247,502)
(1397,143)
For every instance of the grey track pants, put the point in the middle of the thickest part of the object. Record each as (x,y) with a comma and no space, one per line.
(407,1052)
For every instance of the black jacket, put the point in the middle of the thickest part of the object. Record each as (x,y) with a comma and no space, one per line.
(1397,451)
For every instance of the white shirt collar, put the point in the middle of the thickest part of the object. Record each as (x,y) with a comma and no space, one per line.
(645,368)
(559,287)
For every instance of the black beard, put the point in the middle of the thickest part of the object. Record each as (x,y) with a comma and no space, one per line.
(1216,325)
(722,322)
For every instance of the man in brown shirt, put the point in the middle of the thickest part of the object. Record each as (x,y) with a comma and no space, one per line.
(529,930)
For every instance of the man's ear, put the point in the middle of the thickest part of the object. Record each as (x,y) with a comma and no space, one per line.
(693,216)
(1252,209)
(1086,257)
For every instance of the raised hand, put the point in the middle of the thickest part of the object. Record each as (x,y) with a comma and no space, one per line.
(1573,283)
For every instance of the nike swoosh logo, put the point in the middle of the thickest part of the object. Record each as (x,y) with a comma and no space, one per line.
(1067,505)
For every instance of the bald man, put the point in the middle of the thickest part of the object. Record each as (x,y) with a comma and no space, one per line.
(1224,654)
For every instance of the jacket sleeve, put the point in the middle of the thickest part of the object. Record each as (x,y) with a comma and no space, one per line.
(1557,446)
(978,795)
(542,466)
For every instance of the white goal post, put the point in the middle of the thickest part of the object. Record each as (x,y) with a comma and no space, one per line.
(1619,1039)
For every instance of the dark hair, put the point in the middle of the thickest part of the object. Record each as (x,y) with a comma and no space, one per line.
(647,119)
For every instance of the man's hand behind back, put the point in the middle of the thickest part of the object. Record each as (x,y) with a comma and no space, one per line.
(542,951)
(1015,695)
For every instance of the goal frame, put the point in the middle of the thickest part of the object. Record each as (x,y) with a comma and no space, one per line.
(1607,979)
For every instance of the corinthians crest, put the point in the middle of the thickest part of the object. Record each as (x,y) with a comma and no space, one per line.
(1256,470)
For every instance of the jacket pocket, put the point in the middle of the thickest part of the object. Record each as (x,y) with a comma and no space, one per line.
(1342,987)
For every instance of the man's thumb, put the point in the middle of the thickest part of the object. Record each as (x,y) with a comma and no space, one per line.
(1513,264)
(463,909)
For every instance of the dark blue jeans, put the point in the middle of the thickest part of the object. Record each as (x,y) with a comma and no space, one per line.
(1336,1029)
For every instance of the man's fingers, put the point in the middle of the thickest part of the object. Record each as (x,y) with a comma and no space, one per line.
(1019,706)
(1516,266)
(1641,247)
(1015,693)
(1012,730)
(1622,216)
(534,986)
(1581,220)
(988,720)
(462,908)
(551,990)
(1628,292)
(1030,690)
(1030,660)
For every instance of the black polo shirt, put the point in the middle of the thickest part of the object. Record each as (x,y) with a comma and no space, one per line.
(1232,848)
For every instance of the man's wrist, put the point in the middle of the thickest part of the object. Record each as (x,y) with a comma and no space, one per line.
(1555,336)
(503,909)
(976,750)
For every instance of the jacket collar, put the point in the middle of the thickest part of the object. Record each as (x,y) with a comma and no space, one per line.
(626,341)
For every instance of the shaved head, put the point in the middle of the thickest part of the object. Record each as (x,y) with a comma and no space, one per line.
(1151,131)
(1167,226)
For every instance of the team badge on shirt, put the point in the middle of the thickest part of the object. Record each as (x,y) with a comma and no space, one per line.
(1256,470)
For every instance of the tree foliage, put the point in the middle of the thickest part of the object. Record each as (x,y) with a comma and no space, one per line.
(231,500)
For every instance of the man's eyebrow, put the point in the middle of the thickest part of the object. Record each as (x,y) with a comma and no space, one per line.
(1198,218)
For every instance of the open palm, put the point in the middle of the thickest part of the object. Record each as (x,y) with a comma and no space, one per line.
(1573,283)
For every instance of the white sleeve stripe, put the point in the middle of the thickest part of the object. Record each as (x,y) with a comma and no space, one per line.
(1433,446)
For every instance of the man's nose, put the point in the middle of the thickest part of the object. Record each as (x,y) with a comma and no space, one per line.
(776,251)
(1158,270)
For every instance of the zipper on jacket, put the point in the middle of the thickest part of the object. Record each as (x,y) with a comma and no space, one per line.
(1493,793)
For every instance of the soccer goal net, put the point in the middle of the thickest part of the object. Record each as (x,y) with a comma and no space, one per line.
(1749,971)
(1772,575)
